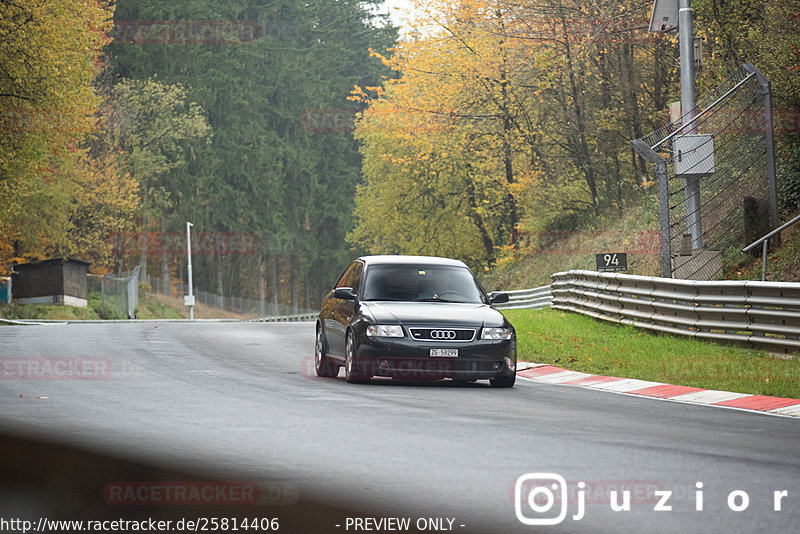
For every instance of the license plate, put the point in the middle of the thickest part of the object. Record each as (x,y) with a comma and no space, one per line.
(444,353)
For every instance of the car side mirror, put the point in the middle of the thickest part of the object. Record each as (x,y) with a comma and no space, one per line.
(344,293)
(495,297)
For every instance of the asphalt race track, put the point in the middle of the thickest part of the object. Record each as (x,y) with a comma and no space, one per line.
(238,403)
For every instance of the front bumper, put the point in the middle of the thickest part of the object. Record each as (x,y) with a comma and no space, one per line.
(406,358)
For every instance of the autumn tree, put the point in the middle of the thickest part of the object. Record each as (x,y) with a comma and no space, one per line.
(779,58)
(153,128)
(49,55)
(272,168)
(541,96)
(104,201)
(456,126)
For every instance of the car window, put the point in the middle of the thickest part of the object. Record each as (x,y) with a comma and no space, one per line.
(355,278)
(346,275)
(417,283)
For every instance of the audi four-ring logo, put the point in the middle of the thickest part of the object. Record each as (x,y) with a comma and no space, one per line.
(443,334)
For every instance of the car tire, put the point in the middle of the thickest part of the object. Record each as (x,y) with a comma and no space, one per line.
(351,370)
(503,381)
(322,364)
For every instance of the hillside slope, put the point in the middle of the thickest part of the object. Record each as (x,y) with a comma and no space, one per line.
(635,232)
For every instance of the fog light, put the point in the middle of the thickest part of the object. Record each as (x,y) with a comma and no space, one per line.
(384,364)
(497,365)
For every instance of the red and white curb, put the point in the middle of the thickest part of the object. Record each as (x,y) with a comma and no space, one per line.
(550,374)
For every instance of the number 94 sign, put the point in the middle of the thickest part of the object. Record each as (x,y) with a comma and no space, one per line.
(613,262)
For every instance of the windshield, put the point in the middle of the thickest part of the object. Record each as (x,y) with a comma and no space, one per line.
(421,283)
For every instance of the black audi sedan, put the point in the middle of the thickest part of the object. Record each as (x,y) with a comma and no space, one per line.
(414,317)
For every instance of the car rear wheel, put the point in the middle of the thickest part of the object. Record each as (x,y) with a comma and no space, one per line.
(322,364)
(503,381)
(351,370)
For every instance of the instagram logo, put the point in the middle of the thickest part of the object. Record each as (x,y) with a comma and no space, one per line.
(542,498)
(535,496)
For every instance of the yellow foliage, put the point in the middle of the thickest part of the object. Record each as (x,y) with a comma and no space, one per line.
(506,116)
(49,56)
(104,202)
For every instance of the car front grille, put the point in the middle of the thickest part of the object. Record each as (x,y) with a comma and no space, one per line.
(442,334)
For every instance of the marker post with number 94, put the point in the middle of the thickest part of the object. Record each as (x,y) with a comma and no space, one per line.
(612,262)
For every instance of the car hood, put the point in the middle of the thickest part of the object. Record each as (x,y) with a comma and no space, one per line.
(433,313)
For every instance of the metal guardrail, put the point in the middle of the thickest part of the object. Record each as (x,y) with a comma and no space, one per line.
(300,317)
(538,297)
(757,314)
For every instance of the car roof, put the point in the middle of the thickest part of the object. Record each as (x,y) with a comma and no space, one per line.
(411,260)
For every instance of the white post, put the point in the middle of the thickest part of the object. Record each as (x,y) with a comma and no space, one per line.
(691,189)
(189,299)
(686,41)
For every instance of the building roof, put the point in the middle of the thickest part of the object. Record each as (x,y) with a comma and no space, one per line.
(33,264)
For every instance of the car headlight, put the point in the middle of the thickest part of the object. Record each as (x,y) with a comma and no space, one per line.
(385,330)
(496,333)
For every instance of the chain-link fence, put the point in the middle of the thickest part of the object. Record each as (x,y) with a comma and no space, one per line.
(238,305)
(118,296)
(715,168)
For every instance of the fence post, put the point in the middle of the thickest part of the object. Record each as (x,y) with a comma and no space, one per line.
(132,290)
(662,188)
(770,140)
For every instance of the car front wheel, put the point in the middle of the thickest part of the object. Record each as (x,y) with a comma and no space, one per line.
(322,364)
(351,371)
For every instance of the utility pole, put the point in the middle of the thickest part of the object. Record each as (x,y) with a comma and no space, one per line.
(691,187)
(188,300)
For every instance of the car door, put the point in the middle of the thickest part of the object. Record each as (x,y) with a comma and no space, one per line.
(342,310)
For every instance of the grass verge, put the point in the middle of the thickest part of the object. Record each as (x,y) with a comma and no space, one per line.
(150,306)
(581,343)
(38,311)
(545,252)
